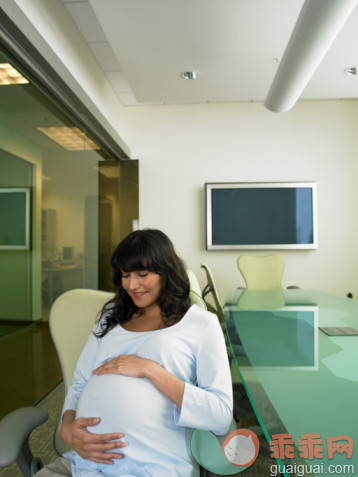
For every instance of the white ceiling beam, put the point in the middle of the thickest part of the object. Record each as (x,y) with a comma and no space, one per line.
(317,26)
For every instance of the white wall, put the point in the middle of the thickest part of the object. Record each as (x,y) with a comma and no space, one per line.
(182,147)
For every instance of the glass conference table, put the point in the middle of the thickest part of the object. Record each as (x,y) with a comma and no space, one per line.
(302,383)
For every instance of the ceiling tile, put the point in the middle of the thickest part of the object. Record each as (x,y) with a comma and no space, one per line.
(86,21)
(118,81)
(105,57)
(128,99)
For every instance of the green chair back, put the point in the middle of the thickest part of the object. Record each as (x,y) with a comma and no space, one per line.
(262,273)
(72,318)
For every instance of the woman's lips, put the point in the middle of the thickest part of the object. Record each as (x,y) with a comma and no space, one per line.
(139,294)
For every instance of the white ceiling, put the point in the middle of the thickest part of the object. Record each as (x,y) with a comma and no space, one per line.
(236,45)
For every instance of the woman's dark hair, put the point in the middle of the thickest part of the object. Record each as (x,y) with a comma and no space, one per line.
(151,250)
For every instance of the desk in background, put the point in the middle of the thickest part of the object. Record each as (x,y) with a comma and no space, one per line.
(299,380)
(59,277)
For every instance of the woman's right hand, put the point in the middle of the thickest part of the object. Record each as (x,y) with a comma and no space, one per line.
(94,447)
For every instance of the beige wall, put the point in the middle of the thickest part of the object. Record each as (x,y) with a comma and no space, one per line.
(182,147)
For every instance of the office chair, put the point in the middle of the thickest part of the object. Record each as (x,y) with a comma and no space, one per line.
(194,284)
(218,311)
(242,407)
(72,318)
(211,288)
(262,273)
(206,449)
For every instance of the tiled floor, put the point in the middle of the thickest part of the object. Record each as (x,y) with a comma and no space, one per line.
(29,367)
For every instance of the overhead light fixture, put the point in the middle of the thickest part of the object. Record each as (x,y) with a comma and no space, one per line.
(317,26)
(192,75)
(353,71)
(9,75)
(71,138)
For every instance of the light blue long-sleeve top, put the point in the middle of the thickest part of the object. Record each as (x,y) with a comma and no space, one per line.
(157,432)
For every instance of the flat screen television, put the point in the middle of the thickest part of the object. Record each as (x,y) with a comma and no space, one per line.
(15,219)
(262,215)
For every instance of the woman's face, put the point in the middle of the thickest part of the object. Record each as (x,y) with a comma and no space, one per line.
(143,287)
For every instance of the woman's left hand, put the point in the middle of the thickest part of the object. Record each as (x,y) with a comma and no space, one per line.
(125,364)
(136,367)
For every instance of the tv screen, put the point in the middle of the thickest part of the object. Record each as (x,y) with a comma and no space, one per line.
(261,216)
(14,219)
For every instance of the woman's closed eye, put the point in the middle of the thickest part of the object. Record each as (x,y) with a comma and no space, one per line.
(140,274)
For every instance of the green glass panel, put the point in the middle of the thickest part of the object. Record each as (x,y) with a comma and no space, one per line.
(15,253)
(65,221)
(299,380)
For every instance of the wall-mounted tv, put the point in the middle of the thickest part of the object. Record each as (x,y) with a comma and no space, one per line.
(14,219)
(262,215)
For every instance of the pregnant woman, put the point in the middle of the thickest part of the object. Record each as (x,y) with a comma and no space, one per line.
(153,369)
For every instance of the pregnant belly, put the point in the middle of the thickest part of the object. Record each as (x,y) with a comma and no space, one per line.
(124,404)
(135,407)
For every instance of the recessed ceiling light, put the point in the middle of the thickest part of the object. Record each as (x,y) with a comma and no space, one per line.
(190,75)
(71,138)
(353,71)
(9,75)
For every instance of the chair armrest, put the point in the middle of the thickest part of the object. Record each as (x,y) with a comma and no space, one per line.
(15,429)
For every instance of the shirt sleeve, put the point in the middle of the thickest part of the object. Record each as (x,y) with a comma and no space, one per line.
(208,405)
(83,372)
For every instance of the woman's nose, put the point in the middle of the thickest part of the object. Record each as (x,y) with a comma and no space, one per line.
(133,282)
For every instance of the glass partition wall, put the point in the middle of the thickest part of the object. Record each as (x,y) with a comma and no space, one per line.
(58,186)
